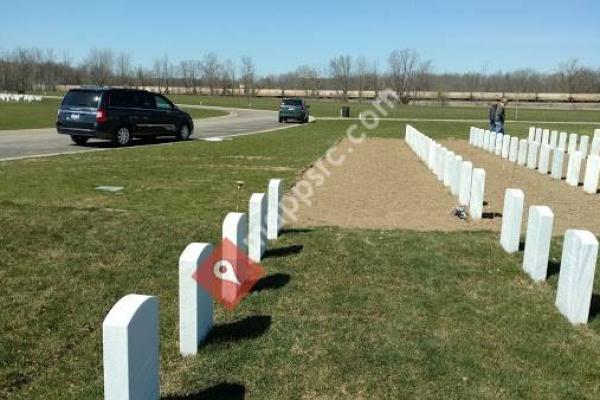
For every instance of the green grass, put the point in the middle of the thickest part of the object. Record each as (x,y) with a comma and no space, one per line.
(43,114)
(365,314)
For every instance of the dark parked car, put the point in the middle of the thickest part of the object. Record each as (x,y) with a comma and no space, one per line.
(294,109)
(119,115)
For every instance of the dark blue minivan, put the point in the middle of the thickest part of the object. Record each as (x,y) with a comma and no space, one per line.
(120,115)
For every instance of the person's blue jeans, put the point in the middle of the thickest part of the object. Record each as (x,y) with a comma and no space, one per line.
(499,128)
(492,125)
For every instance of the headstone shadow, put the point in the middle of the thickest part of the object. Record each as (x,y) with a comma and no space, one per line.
(553,268)
(295,230)
(284,251)
(594,307)
(271,282)
(224,390)
(491,215)
(522,245)
(247,328)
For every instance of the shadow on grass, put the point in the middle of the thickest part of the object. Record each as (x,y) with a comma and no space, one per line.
(247,328)
(522,245)
(553,268)
(285,231)
(225,390)
(594,307)
(284,251)
(491,215)
(271,282)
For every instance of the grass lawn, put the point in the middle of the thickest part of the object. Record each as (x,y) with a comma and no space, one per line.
(43,114)
(343,314)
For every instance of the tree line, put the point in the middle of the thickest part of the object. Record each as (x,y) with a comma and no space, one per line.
(33,69)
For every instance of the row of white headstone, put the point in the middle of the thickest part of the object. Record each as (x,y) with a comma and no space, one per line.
(27,98)
(466,183)
(547,155)
(130,330)
(578,261)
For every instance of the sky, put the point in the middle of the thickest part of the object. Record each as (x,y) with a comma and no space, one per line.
(457,36)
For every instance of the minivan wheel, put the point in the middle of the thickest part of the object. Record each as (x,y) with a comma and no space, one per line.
(79,140)
(123,137)
(184,133)
(281,120)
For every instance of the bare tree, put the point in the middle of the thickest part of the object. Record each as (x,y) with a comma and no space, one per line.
(229,76)
(403,66)
(362,69)
(124,69)
(99,64)
(341,69)
(248,75)
(211,71)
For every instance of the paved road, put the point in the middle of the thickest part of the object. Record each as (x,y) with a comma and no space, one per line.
(24,143)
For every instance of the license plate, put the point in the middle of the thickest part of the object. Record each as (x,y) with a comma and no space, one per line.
(291,109)
(75,117)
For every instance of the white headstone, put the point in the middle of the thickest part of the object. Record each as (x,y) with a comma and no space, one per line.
(440,162)
(546,137)
(576,279)
(537,242)
(544,164)
(572,146)
(592,171)
(531,134)
(562,141)
(574,169)
(477,193)
(486,139)
(505,146)
(553,139)
(532,155)
(558,158)
(455,177)
(257,226)
(448,169)
(492,145)
(514,149)
(512,216)
(538,136)
(235,228)
(464,187)
(583,145)
(195,304)
(130,344)
(431,155)
(499,143)
(522,156)
(595,150)
(274,215)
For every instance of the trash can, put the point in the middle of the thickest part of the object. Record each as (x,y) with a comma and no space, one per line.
(345,112)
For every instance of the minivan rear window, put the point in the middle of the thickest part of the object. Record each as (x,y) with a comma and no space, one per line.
(291,102)
(82,98)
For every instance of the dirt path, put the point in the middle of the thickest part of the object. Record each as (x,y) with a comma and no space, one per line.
(382,185)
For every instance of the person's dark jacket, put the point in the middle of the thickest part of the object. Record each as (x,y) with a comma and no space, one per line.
(500,112)
(492,112)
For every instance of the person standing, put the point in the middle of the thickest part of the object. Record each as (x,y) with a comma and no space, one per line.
(500,116)
(492,116)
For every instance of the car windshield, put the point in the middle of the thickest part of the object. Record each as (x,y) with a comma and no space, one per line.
(82,98)
(291,102)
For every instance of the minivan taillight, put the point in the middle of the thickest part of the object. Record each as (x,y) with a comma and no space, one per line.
(100,116)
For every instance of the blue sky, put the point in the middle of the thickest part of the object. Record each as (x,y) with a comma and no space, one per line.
(457,36)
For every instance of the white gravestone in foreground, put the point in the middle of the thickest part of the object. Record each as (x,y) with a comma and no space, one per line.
(531,133)
(562,141)
(257,226)
(558,159)
(492,145)
(455,178)
(505,146)
(592,170)
(544,164)
(448,168)
(532,155)
(439,163)
(195,304)
(572,146)
(538,135)
(499,143)
(522,156)
(274,213)
(573,169)
(514,149)
(595,150)
(235,229)
(130,345)
(512,216)
(477,193)
(537,242)
(546,137)
(464,187)
(486,139)
(553,139)
(583,145)
(576,279)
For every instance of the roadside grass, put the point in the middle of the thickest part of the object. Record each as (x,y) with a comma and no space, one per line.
(43,114)
(344,313)
(331,108)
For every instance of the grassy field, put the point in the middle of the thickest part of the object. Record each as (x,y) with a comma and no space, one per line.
(43,114)
(342,313)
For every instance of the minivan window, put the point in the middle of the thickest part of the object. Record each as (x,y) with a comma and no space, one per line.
(146,100)
(82,98)
(123,99)
(162,103)
(290,102)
